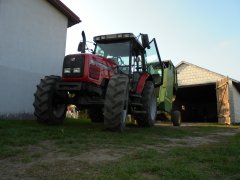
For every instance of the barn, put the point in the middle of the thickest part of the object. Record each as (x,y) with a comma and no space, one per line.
(206,96)
(33,38)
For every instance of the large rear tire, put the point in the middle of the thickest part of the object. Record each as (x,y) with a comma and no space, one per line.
(49,107)
(149,102)
(116,103)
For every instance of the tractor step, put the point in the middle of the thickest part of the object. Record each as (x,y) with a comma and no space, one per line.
(136,104)
(139,112)
(135,95)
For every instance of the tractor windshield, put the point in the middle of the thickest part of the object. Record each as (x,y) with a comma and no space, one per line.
(117,52)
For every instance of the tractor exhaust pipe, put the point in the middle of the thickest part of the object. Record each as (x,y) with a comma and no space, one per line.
(82,44)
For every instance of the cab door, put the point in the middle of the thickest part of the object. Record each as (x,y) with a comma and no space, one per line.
(153,63)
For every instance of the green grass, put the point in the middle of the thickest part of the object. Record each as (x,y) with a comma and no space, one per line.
(142,151)
(217,161)
(75,135)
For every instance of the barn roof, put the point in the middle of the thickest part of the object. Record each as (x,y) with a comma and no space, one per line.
(72,17)
(191,74)
(204,69)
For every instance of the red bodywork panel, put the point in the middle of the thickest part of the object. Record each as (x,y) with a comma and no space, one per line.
(95,69)
(141,82)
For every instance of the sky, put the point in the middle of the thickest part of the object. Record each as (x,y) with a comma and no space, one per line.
(201,32)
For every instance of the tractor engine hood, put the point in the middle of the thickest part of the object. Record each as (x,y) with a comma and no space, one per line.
(87,68)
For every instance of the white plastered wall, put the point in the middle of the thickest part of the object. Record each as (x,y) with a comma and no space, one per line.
(33,37)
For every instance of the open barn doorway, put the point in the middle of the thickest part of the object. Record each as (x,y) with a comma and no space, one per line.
(197,103)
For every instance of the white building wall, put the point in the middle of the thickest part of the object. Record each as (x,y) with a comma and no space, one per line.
(231,101)
(234,103)
(192,75)
(33,35)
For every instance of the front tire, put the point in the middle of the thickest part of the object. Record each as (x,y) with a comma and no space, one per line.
(149,102)
(116,103)
(176,118)
(49,107)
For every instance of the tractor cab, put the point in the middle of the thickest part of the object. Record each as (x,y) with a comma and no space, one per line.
(132,57)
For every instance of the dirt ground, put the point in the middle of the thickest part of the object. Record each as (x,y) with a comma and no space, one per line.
(45,155)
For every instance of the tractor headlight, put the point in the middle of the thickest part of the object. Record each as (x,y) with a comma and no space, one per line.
(67,70)
(76,70)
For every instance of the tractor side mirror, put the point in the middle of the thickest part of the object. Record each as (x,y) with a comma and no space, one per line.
(145,41)
(82,45)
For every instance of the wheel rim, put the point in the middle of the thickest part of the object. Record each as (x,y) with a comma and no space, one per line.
(153,108)
(125,110)
(124,117)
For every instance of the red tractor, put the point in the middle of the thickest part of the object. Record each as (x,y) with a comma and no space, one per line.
(121,76)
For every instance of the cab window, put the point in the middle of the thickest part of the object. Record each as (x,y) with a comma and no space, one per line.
(153,62)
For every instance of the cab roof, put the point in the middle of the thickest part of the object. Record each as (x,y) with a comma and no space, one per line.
(119,37)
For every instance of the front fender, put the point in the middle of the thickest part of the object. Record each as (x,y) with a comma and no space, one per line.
(141,82)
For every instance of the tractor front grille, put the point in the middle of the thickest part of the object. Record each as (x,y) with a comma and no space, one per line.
(73,66)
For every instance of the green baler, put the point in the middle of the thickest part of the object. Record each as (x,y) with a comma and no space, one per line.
(167,94)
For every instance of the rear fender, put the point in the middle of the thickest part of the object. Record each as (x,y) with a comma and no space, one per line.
(141,82)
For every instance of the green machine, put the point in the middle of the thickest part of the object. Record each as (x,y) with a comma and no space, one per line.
(167,94)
